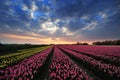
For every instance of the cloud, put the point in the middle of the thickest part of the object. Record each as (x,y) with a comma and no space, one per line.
(33,7)
(75,8)
(66,31)
(24,7)
(60,19)
(29,39)
(49,26)
(90,26)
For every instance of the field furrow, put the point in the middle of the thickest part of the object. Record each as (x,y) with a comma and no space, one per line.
(26,69)
(62,68)
(62,62)
(106,71)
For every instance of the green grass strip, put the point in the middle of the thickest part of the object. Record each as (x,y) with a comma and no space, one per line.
(6,60)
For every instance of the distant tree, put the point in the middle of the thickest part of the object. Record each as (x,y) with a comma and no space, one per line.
(97,43)
(78,43)
(84,43)
(107,42)
(117,42)
(1,44)
(51,44)
(1,48)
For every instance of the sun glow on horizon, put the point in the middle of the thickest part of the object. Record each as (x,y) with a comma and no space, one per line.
(37,40)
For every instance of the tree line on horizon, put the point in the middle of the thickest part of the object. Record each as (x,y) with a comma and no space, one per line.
(107,42)
(22,46)
(11,48)
(78,43)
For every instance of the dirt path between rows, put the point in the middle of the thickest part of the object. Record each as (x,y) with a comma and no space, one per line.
(43,73)
(89,72)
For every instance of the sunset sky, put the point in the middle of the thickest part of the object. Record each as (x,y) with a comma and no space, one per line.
(59,21)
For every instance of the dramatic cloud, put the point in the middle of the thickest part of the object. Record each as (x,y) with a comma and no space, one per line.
(59,21)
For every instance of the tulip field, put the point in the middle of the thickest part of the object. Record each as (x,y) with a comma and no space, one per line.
(62,62)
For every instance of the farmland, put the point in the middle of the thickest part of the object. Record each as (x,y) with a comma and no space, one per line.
(62,62)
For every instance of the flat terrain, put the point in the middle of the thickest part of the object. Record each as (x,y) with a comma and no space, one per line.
(62,62)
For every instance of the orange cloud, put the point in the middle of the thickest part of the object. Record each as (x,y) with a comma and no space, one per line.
(16,36)
(37,40)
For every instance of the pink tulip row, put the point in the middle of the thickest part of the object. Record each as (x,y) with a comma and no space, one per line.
(26,69)
(108,69)
(62,68)
(104,50)
(107,53)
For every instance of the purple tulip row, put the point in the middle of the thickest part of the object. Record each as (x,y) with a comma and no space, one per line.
(62,68)
(26,69)
(103,50)
(107,53)
(108,69)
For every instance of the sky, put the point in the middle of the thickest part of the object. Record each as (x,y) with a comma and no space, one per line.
(59,21)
